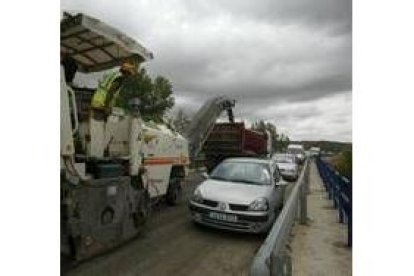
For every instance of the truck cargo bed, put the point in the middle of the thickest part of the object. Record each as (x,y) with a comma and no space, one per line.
(233,140)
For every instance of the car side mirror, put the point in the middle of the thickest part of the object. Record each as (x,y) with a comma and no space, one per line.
(204,175)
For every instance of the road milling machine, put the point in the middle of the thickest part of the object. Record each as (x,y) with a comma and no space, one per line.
(112,168)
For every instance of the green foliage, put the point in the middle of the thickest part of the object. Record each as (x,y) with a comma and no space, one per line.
(343,163)
(161,97)
(283,142)
(327,146)
(156,95)
(279,141)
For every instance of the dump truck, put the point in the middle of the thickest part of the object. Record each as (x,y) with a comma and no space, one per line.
(219,140)
(113,167)
(234,140)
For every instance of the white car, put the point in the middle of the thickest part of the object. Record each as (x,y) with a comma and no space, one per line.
(297,150)
(315,151)
(287,166)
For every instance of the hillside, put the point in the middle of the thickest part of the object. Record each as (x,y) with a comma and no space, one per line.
(326,146)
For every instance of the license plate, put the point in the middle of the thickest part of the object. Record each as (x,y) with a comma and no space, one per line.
(221,216)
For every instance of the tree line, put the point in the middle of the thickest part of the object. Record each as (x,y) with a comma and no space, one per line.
(280,141)
(156,95)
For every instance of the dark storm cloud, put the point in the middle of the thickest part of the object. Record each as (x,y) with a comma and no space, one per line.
(332,15)
(265,54)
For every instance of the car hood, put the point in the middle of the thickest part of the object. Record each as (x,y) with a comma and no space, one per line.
(233,192)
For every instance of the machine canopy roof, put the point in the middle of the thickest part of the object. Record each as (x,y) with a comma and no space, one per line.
(96,46)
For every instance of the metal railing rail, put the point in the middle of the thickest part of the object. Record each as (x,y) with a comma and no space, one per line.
(272,258)
(339,189)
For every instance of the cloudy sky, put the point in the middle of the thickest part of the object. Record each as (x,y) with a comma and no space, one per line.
(288,62)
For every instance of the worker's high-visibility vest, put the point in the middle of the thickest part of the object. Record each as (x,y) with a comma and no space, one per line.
(99,97)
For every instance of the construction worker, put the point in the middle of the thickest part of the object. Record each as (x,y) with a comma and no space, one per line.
(109,88)
(106,96)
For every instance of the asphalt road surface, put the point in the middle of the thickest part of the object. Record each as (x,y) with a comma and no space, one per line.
(172,245)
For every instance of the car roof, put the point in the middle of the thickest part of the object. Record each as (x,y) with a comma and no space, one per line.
(249,160)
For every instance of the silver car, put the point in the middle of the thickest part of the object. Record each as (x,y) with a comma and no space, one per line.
(241,194)
(287,165)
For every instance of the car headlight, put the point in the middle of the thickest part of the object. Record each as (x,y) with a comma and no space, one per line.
(197,196)
(260,204)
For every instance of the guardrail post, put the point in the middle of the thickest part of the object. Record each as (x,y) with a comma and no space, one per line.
(341,203)
(307,177)
(303,196)
(327,180)
(281,264)
(350,229)
(341,214)
(298,207)
(303,205)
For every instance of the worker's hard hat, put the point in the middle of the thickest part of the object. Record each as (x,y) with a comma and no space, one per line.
(128,67)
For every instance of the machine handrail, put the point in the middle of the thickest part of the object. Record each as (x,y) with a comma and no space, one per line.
(75,110)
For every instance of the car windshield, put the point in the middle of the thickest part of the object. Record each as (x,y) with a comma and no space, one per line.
(283,159)
(242,172)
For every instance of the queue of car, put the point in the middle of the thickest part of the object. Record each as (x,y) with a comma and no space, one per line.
(245,194)
(298,151)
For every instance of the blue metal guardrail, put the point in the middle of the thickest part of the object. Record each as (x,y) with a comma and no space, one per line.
(339,189)
(272,257)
